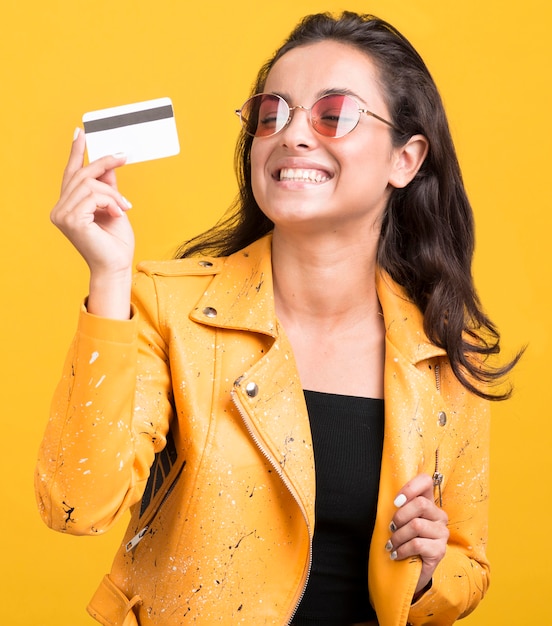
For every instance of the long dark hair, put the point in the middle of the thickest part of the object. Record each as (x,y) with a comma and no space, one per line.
(427,233)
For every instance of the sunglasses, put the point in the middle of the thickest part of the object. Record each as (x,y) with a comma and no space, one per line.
(334,115)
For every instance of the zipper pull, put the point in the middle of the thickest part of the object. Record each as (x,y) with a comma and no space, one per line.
(136,539)
(438,478)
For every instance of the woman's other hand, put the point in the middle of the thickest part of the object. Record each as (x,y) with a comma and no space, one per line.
(419,528)
(91,213)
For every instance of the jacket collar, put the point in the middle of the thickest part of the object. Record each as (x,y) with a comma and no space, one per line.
(404,323)
(241,294)
(241,297)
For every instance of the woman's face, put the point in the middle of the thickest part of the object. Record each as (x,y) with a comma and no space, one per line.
(348,179)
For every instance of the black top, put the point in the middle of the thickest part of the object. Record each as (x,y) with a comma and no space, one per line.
(347,434)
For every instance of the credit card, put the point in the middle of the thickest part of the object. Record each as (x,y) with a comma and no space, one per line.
(143,131)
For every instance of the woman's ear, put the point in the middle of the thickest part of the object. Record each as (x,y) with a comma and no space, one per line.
(408,160)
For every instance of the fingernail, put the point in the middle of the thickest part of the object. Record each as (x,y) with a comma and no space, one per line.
(392,527)
(393,555)
(389,546)
(128,204)
(399,500)
(76,133)
(119,155)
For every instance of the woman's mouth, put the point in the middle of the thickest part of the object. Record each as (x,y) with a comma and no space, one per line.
(303,175)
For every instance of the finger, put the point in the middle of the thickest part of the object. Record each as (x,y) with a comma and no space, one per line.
(86,197)
(109,178)
(420,485)
(92,187)
(422,538)
(431,551)
(430,527)
(76,157)
(90,210)
(102,169)
(420,507)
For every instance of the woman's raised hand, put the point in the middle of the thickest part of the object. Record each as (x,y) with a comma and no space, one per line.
(419,527)
(91,213)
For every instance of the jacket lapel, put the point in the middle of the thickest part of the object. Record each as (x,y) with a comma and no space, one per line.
(412,435)
(240,297)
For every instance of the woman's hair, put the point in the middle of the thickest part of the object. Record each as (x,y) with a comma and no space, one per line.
(427,233)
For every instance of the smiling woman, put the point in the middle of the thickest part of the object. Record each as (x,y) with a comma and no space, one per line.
(288,408)
(357,169)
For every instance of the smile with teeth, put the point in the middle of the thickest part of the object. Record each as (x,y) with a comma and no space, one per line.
(305,175)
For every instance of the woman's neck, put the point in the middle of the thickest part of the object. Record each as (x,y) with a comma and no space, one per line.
(325,278)
(326,301)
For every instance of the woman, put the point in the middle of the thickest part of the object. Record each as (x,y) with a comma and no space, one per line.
(341,283)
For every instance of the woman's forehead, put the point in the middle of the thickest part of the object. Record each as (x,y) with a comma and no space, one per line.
(321,66)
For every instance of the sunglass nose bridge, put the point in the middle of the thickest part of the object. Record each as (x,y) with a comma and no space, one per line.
(308,111)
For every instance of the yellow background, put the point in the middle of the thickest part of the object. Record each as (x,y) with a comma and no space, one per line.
(61,58)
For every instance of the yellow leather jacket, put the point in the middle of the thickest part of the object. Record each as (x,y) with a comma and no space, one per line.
(221,532)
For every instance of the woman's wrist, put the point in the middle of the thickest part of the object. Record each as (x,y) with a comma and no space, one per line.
(109,296)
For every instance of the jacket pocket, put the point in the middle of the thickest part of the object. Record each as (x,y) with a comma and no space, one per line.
(111,607)
(164,474)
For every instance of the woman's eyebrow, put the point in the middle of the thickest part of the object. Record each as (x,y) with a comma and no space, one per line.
(341,91)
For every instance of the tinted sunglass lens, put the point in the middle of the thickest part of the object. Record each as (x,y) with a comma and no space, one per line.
(264,115)
(335,115)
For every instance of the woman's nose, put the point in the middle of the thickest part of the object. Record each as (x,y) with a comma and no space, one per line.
(299,129)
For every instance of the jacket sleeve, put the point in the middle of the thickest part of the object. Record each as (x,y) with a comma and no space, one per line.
(461,579)
(110,414)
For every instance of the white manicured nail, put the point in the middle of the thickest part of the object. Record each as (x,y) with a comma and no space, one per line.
(399,500)
(128,204)
(393,556)
(76,133)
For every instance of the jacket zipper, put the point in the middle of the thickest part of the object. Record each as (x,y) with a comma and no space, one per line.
(437,476)
(131,545)
(438,377)
(278,469)
(438,479)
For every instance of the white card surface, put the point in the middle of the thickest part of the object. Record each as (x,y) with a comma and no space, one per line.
(143,131)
